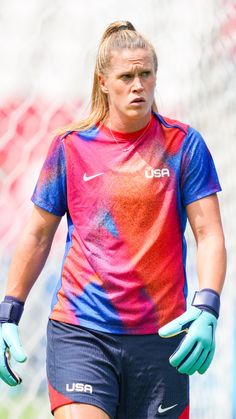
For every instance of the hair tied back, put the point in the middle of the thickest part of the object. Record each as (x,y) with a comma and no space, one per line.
(117,27)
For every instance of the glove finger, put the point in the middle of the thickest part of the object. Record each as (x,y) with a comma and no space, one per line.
(2,343)
(180,324)
(207,362)
(189,361)
(185,347)
(10,335)
(171,329)
(199,362)
(5,374)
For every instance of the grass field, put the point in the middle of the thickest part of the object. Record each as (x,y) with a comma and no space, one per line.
(28,412)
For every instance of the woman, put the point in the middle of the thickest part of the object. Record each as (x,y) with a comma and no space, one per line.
(127,179)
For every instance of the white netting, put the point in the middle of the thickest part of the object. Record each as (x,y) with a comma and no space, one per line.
(47,57)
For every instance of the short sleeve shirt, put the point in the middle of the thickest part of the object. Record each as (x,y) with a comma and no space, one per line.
(124,266)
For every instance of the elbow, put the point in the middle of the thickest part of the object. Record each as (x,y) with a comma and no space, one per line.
(208,234)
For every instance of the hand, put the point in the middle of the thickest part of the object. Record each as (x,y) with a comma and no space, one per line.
(10,345)
(197,348)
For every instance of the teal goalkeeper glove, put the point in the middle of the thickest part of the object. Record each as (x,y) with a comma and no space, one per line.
(196,350)
(10,312)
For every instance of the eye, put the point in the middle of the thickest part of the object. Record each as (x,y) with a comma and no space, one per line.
(126,77)
(145,74)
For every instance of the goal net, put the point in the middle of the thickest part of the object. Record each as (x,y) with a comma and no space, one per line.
(47,58)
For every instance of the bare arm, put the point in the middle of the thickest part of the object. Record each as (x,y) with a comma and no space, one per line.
(31,253)
(205,221)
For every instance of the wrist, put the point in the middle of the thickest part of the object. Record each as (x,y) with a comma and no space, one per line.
(207,300)
(11,310)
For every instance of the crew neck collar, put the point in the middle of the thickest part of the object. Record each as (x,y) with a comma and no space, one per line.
(129,136)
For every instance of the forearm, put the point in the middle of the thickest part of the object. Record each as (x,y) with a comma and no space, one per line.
(31,253)
(211,262)
(27,263)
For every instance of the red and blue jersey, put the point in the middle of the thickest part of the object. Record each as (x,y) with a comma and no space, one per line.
(124,264)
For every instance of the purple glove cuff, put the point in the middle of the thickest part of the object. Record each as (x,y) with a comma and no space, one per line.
(11,310)
(208,300)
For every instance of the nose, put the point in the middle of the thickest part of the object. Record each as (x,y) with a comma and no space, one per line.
(137,85)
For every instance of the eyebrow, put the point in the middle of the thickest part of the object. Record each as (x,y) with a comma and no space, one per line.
(143,70)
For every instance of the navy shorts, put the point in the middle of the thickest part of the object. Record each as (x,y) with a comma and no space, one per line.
(128,376)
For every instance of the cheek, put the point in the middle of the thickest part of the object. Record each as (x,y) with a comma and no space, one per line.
(152,83)
(117,92)
(151,87)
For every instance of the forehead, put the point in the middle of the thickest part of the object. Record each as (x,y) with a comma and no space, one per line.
(129,59)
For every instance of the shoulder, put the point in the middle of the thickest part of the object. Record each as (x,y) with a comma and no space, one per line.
(179,132)
(194,141)
(174,133)
(86,135)
(172,124)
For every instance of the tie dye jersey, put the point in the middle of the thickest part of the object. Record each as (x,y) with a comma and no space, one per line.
(124,265)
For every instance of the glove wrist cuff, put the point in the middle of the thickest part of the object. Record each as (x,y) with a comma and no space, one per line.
(207,300)
(11,310)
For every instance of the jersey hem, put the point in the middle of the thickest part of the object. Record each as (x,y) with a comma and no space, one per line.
(112,329)
(47,208)
(202,195)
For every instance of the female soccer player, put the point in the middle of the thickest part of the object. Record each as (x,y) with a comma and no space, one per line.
(127,179)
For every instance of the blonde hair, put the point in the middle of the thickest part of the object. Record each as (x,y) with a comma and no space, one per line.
(118,35)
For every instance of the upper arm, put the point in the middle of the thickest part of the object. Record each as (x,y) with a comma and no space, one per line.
(42,224)
(204,217)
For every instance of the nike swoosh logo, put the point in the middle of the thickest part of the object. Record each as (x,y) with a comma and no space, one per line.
(86,178)
(165,409)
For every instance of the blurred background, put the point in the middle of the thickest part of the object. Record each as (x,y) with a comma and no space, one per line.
(47,51)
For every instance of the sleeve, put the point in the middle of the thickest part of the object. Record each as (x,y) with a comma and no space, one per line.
(198,173)
(50,191)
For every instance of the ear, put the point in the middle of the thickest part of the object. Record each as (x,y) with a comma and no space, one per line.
(102,82)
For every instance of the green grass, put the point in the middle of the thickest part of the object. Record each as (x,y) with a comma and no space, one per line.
(3,413)
(29,412)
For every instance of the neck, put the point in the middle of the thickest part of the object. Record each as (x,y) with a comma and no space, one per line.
(127,125)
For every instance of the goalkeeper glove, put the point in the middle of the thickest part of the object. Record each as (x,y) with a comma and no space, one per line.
(196,350)
(11,310)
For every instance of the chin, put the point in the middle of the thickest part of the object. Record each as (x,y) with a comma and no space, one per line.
(138,113)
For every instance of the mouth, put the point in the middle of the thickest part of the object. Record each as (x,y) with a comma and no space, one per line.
(138,100)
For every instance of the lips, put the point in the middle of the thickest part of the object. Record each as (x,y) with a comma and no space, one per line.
(138,100)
